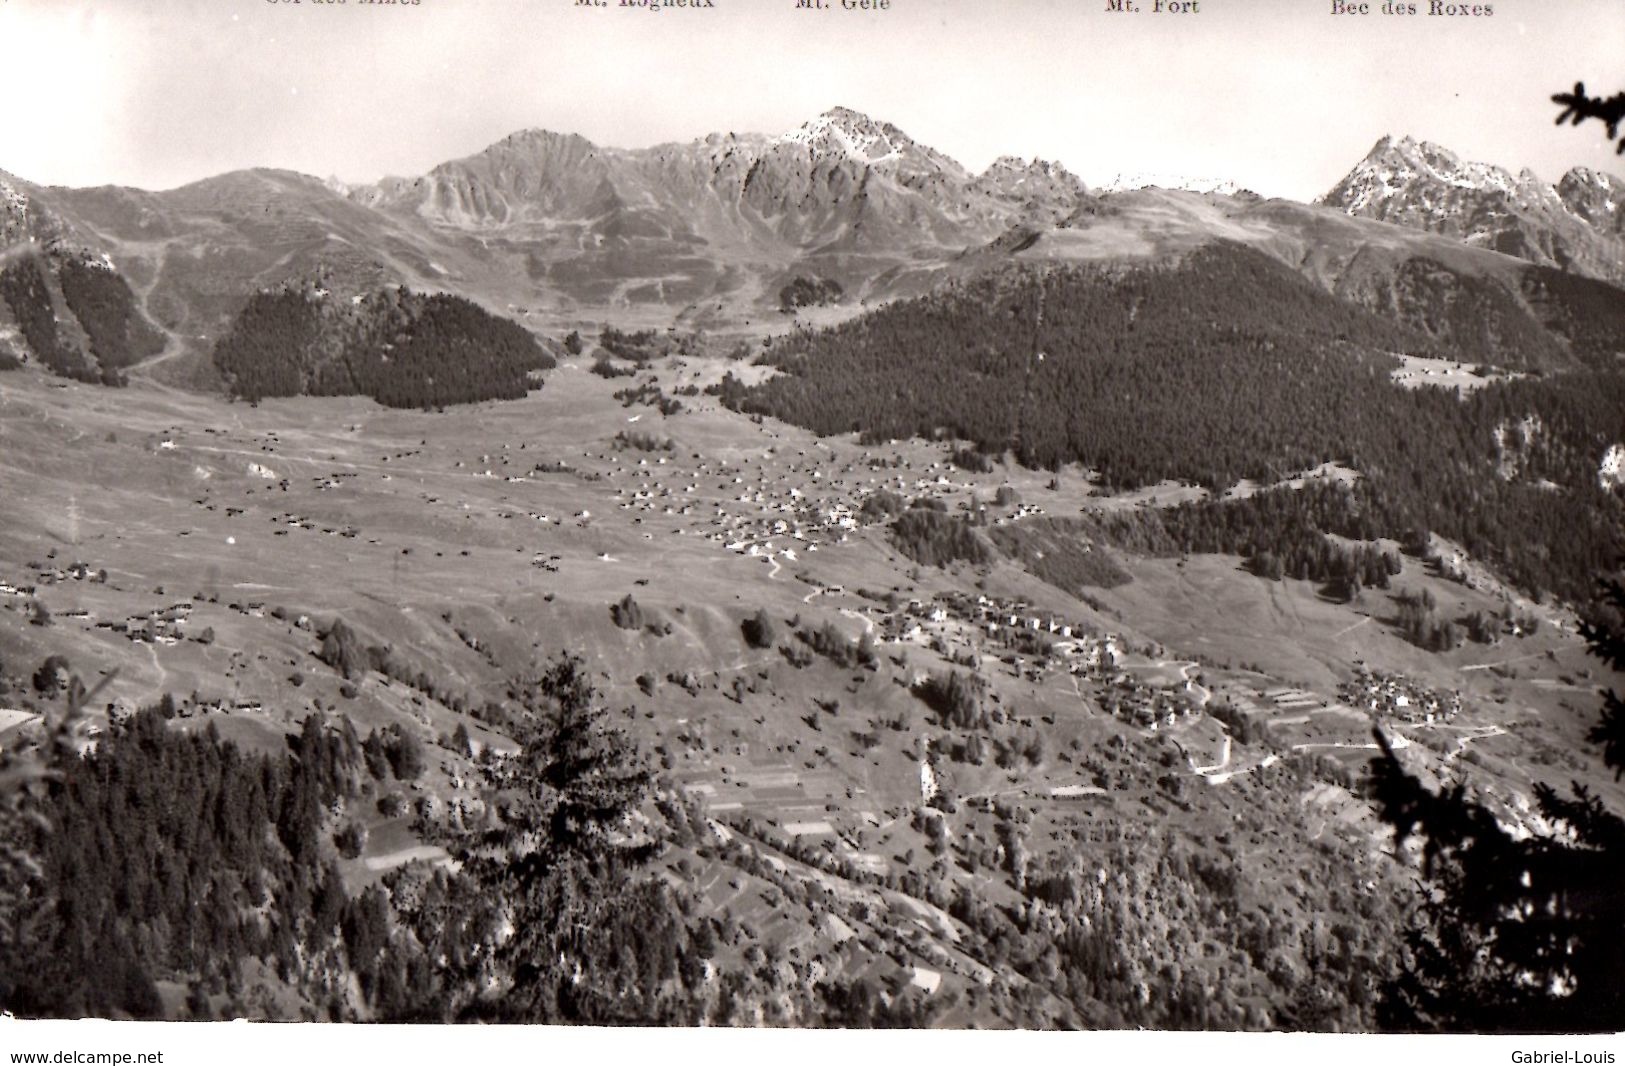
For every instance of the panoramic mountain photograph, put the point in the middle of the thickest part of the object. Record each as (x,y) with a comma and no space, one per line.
(861,514)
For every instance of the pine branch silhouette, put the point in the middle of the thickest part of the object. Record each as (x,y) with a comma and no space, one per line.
(1577,107)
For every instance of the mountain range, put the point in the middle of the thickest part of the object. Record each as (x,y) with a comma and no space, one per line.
(1577,224)
(1162,527)
(559,233)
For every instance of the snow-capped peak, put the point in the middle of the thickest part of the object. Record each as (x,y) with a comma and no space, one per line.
(1610,185)
(1603,189)
(1018,165)
(1575,225)
(1394,166)
(1127,182)
(852,132)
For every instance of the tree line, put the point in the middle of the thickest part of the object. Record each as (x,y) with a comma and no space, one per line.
(1222,367)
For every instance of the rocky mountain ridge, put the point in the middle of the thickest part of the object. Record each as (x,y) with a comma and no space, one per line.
(558,233)
(841,179)
(1577,224)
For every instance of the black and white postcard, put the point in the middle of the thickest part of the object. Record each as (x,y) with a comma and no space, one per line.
(1098,516)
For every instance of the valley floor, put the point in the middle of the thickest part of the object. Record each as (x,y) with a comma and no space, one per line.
(198,548)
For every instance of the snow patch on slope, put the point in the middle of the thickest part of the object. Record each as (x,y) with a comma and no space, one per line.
(1177,182)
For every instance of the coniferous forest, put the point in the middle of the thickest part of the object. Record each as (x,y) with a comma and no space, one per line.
(404,349)
(176,857)
(23,287)
(177,875)
(96,297)
(166,858)
(1222,367)
(101,300)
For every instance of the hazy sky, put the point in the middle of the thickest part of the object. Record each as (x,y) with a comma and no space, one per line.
(1278,95)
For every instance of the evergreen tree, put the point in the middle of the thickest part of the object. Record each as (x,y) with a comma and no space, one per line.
(560,866)
(759,630)
(1517,935)
(343,651)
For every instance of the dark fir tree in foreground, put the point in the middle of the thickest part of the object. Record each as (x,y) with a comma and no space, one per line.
(579,936)
(1517,935)
(25,773)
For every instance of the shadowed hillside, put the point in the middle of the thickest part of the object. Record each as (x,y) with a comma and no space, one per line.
(1222,367)
(76,314)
